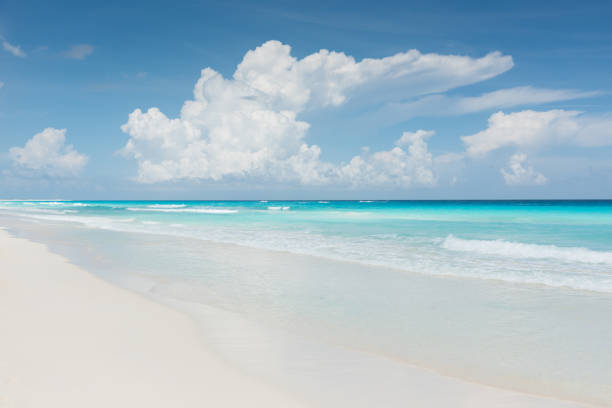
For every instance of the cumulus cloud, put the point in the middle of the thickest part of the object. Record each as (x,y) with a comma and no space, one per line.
(79,51)
(46,153)
(325,77)
(13,49)
(249,126)
(409,163)
(518,174)
(533,129)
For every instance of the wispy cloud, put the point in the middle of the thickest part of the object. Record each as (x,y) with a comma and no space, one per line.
(444,105)
(79,51)
(13,49)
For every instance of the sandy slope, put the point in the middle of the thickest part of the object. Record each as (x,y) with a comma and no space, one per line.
(69,339)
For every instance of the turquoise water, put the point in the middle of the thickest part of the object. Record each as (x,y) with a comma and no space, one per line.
(514,294)
(555,243)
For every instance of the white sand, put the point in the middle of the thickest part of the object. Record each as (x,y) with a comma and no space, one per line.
(69,339)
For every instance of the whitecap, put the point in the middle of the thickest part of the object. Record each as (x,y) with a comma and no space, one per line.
(521,250)
(186,210)
(167,206)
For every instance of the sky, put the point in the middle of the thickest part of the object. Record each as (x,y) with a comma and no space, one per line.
(305,100)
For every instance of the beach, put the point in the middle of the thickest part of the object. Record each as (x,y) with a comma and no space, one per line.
(305,204)
(70,338)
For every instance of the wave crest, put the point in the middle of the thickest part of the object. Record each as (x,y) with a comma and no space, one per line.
(521,250)
(186,210)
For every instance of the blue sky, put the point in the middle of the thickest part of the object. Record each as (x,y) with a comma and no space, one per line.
(533,121)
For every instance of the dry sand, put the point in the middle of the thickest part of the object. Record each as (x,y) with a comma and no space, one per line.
(69,339)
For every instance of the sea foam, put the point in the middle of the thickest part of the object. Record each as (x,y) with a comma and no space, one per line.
(185,210)
(560,257)
(521,250)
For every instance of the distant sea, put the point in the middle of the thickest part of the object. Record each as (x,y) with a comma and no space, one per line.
(515,294)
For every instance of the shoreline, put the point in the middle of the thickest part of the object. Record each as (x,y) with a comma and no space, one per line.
(70,339)
(425,385)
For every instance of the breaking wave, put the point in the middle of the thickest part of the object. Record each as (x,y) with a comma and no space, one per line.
(186,210)
(521,250)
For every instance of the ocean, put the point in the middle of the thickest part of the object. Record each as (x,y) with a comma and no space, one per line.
(512,294)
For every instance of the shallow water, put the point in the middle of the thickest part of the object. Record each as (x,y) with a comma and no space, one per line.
(555,243)
(516,295)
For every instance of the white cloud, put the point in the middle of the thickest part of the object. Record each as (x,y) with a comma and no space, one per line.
(521,175)
(13,49)
(248,126)
(409,138)
(1,84)
(47,153)
(79,51)
(522,95)
(324,78)
(533,129)
(408,163)
(436,105)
